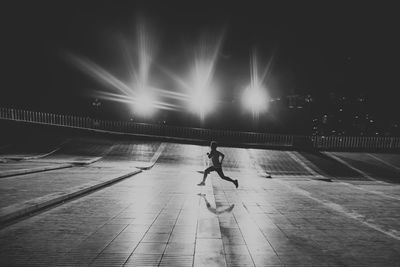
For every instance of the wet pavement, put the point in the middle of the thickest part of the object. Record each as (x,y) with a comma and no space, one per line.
(160,217)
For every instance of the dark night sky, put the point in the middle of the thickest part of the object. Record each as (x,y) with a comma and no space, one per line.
(318,46)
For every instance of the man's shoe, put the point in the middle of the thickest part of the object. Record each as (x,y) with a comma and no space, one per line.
(201,184)
(236,183)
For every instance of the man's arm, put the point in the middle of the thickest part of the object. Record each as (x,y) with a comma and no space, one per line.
(222,156)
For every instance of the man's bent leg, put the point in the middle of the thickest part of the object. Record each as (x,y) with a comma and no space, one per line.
(222,175)
(206,172)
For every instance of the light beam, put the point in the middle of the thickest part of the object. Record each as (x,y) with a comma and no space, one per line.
(255,97)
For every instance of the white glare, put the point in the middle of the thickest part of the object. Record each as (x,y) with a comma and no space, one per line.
(144,104)
(145,98)
(199,90)
(202,101)
(255,97)
(138,92)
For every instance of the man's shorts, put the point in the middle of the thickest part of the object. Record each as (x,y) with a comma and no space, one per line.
(213,168)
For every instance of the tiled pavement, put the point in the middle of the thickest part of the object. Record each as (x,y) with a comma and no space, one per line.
(161,218)
(25,188)
(23,194)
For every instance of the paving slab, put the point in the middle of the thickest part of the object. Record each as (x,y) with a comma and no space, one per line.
(279,163)
(141,154)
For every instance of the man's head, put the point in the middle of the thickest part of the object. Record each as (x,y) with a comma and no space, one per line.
(213,145)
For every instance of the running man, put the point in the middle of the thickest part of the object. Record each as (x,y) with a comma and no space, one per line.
(215,156)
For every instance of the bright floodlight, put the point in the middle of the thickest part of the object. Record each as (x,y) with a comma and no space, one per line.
(199,85)
(144,104)
(138,93)
(255,99)
(201,101)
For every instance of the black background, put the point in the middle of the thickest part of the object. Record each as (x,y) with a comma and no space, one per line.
(316,47)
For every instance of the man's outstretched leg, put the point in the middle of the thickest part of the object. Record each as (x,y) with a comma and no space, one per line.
(206,172)
(226,178)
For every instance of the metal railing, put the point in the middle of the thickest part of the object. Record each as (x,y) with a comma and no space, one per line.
(356,143)
(265,139)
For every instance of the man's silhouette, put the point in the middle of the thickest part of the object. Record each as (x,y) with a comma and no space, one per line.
(215,156)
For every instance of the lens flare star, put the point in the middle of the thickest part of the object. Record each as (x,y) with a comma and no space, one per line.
(255,97)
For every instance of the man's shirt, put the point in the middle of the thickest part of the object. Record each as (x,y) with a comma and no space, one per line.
(214,156)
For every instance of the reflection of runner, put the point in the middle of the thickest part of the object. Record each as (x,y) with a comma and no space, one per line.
(215,155)
(215,210)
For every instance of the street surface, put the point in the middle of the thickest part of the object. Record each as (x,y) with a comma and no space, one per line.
(318,209)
